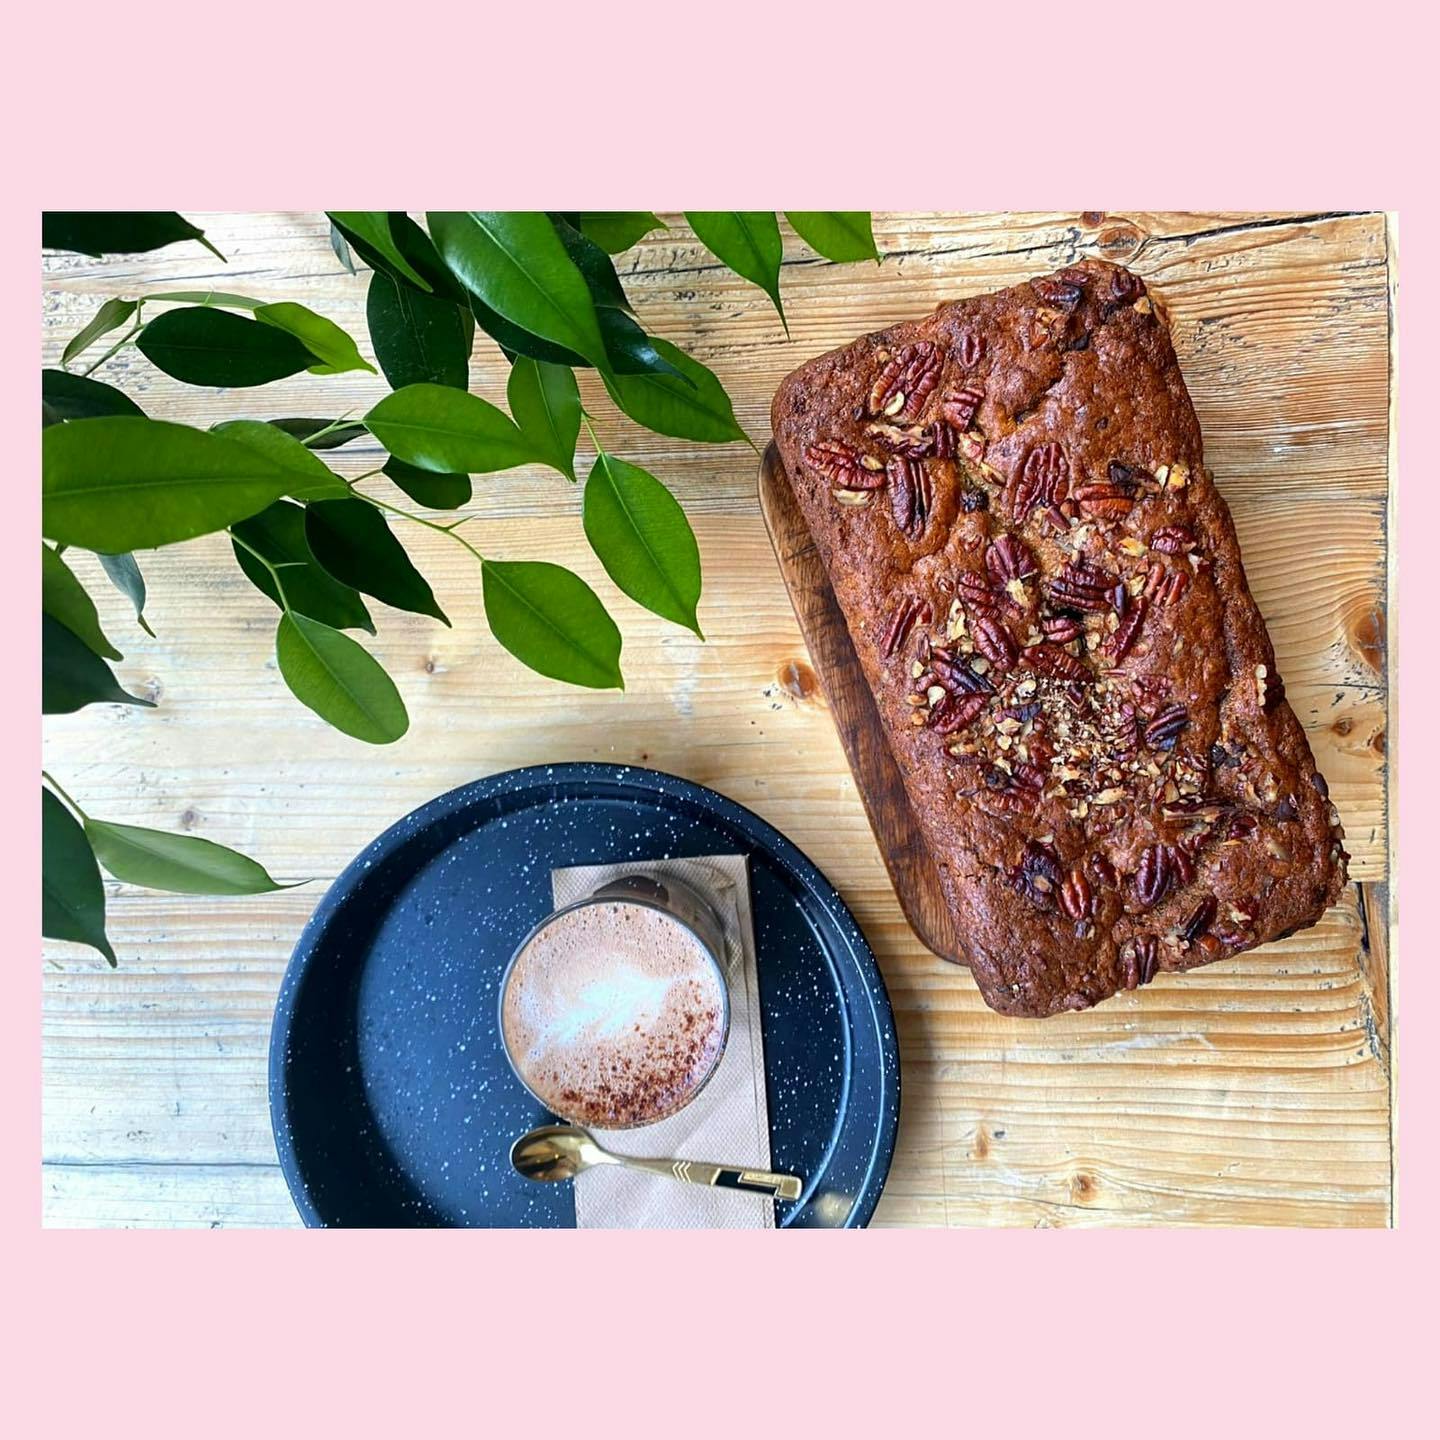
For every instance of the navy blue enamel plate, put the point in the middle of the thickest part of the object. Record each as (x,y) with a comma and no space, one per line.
(390,1095)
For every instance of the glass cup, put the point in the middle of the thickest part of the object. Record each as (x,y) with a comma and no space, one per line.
(691,912)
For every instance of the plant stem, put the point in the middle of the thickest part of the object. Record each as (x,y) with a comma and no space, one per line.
(325,430)
(274,571)
(118,346)
(421,520)
(60,790)
(599,449)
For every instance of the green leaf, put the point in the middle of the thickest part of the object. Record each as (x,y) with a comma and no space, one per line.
(110,316)
(697,410)
(637,528)
(65,599)
(73,675)
(617,230)
(339,681)
(314,479)
(323,338)
(545,402)
(548,618)
(279,535)
(631,350)
(371,229)
(75,397)
(219,299)
(595,266)
(117,232)
(125,576)
(516,264)
(72,903)
(300,428)
(352,540)
(748,241)
(341,248)
(429,488)
(436,428)
(417,337)
(836,234)
(126,483)
(182,863)
(214,347)
(515,341)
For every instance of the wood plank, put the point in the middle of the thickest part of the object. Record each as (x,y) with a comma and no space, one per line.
(1253,1092)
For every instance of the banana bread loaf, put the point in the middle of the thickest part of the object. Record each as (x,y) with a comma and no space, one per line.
(1044,589)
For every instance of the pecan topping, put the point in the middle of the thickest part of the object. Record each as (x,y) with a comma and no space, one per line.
(1076,897)
(942,440)
(1108,499)
(908,614)
(975,594)
(1043,479)
(1140,959)
(1240,827)
(970,349)
(912,441)
(1165,727)
(1080,586)
(1172,540)
(841,466)
(1124,286)
(906,381)
(1199,920)
(1049,659)
(1164,586)
(1122,474)
(1009,558)
(954,712)
(1039,876)
(1163,868)
(1054,290)
(956,676)
(1104,871)
(1118,646)
(993,641)
(910,494)
(959,406)
(1061,629)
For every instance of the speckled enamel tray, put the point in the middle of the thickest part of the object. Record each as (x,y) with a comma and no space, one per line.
(391,1099)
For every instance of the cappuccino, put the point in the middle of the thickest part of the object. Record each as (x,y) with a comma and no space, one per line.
(614,1014)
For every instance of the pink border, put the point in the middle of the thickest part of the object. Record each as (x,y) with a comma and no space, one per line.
(1160,1331)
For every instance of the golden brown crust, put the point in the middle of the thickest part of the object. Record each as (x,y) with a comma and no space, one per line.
(1045,592)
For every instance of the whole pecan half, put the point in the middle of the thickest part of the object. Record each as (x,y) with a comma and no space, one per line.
(841,466)
(953,712)
(1162,869)
(910,494)
(957,676)
(1039,875)
(908,613)
(1076,897)
(960,406)
(1199,920)
(994,642)
(1080,586)
(1164,586)
(970,349)
(1165,726)
(975,594)
(903,386)
(1043,479)
(1125,286)
(1118,645)
(1105,498)
(942,440)
(1049,659)
(1172,540)
(1061,629)
(1055,290)
(1139,960)
(1009,558)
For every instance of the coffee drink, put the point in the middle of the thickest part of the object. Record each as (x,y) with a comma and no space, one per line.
(614,1013)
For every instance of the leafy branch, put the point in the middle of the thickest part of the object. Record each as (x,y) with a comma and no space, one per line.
(544,288)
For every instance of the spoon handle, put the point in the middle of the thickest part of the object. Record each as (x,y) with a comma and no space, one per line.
(727,1177)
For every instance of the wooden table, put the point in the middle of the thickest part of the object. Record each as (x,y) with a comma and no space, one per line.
(1257,1091)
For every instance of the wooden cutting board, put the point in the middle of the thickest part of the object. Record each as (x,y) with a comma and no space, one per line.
(907,857)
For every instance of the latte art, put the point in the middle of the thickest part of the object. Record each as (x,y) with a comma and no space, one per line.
(614,1014)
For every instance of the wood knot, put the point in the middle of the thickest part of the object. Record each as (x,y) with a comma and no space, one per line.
(1083,1188)
(1119,242)
(797,679)
(1367,635)
(1092,218)
(188,819)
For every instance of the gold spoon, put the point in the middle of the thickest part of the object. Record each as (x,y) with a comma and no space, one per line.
(561,1152)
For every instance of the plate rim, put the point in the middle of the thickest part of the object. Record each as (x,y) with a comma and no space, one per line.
(519,778)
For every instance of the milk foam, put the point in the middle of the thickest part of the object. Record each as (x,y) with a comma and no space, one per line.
(614,1014)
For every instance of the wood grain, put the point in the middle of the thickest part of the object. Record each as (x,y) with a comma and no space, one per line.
(1253,1092)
